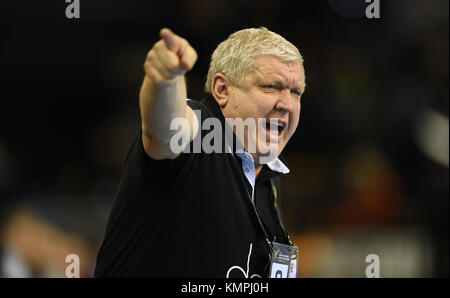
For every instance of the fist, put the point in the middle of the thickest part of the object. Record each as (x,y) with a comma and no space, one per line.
(170,57)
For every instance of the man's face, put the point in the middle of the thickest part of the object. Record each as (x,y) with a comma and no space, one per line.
(271,92)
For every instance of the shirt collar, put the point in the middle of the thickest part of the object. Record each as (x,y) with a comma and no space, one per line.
(275,165)
(278,166)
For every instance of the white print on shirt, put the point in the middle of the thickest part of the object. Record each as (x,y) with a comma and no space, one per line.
(242,269)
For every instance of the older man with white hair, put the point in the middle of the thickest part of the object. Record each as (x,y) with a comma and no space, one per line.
(208,213)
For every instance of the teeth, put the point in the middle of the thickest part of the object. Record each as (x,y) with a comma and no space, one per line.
(277,123)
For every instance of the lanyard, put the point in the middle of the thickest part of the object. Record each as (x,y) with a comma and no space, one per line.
(270,243)
(277,210)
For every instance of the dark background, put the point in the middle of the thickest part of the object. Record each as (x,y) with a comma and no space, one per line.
(369,161)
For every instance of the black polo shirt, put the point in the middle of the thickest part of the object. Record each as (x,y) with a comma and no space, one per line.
(189,217)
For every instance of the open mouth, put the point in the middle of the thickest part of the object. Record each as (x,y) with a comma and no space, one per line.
(275,126)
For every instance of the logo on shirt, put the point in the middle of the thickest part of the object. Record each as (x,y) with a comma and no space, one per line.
(244,272)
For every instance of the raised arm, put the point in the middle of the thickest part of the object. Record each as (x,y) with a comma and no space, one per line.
(163,93)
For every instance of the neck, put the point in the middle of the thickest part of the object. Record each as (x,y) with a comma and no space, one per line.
(258,169)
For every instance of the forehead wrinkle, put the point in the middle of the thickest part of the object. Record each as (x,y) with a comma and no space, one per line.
(280,75)
(270,75)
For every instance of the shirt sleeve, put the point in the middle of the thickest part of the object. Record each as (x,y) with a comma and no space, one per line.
(150,166)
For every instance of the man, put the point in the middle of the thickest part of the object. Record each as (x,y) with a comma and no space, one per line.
(214,213)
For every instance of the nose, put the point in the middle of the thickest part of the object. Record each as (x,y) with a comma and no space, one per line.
(285,101)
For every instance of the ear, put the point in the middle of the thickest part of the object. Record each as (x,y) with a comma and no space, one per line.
(219,89)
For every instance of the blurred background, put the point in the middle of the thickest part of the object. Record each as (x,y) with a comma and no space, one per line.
(369,161)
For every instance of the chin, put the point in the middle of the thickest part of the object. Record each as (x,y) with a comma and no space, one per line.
(271,152)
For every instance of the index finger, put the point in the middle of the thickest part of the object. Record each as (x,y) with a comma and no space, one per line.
(174,42)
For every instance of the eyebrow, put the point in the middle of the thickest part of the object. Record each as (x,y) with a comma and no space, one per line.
(280,82)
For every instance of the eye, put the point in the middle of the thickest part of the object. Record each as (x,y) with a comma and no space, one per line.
(269,88)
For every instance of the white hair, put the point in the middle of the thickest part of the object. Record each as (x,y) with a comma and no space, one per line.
(234,57)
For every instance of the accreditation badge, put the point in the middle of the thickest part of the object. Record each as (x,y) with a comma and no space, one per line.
(293,265)
(283,262)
